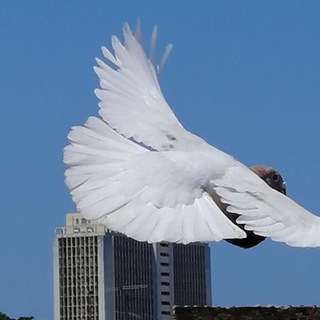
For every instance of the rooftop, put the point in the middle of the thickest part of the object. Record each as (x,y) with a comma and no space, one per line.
(247,313)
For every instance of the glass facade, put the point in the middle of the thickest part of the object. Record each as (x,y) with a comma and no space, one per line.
(190,274)
(133,267)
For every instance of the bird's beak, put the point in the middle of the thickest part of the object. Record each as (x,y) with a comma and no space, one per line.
(284,188)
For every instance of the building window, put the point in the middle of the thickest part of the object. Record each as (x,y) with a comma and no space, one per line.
(165,283)
(165,303)
(164,264)
(165,274)
(165,293)
(164,254)
(166,312)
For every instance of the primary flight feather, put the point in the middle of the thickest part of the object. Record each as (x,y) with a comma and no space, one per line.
(139,172)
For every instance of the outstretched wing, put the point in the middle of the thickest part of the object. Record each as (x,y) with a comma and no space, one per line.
(133,170)
(131,99)
(141,173)
(266,211)
(147,195)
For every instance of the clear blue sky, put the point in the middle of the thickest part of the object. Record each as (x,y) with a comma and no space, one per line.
(244,75)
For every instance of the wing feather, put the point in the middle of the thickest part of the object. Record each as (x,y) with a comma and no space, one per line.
(265,211)
(145,194)
(131,100)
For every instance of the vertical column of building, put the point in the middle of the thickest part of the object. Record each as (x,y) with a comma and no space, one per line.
(106,277)
(59,279)
(163,255)
(90,285)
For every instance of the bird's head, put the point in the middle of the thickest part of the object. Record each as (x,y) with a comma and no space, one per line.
(271,176)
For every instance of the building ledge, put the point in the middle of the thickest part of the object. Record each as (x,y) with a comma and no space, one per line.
(246,313)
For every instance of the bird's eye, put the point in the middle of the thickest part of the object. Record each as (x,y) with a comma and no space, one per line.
(275,177)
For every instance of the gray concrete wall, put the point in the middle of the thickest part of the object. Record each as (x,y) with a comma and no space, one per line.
(247,313)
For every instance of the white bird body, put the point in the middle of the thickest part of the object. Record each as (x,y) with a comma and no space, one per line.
(138,171)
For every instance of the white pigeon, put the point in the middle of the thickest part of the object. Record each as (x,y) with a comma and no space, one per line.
(139,172)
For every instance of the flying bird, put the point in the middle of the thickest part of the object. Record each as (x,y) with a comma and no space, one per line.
(139,172)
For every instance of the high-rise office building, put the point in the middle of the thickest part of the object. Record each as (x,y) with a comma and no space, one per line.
(102,275)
